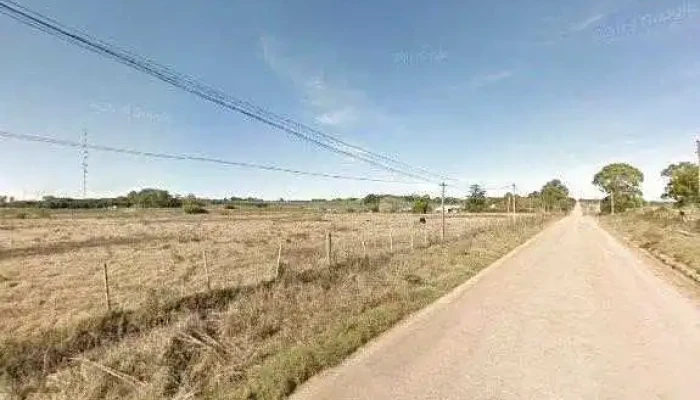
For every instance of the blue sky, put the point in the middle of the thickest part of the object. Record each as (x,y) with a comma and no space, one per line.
(487,92)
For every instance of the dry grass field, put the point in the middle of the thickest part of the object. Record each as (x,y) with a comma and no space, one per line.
(169,336)
(662,231)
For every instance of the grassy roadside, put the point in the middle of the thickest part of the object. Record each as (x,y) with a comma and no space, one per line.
(663,233)
(265,341)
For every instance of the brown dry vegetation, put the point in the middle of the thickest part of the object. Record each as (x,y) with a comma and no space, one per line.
(252,336)
(662,231)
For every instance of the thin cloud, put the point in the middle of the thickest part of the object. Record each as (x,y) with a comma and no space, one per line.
(585,24)
(571,29)
(337,117)
(331,104)
(490,78)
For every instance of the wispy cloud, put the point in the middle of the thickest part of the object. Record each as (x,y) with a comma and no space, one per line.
(580,26)
(563,31)
(634,24)
(338,117)
(331,102)
(490,78)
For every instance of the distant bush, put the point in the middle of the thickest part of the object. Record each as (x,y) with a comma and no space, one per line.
(371,199)
(230,207)
(153,198)
(421,206)
(375,208)
(351,210)
(194,209)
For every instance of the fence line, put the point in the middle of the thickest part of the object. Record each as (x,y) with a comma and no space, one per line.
(226,263)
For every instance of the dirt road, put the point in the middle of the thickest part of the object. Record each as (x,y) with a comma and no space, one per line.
(572,315)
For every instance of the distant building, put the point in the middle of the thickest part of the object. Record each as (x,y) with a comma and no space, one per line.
(449,209)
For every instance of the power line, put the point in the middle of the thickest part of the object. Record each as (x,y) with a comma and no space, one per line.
(183,157)
(189,84)
(481,186)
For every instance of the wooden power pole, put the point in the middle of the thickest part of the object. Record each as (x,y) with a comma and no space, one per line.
(697,150)
(443,185)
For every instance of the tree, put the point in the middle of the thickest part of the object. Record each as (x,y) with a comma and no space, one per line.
(192,205)
(476,202)
(555,194)
(153,198)
(371,199)
(622,183)
(3,200)
(422,205)
(682,183)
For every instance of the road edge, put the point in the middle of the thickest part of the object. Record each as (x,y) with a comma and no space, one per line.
(403,327)
(654,255)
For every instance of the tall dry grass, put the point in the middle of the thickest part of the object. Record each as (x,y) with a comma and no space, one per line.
(257,341)
(663,231)
(51,271)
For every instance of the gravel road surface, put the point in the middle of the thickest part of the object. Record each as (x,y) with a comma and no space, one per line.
(573,314)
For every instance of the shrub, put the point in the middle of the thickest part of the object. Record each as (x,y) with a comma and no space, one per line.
(194,209)
(421,206)
(230,207)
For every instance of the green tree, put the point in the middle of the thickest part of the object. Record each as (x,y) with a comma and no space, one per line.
(554,195)
(622,183)
(422,205)
(476,202)
(682,183)
(153,198)
(371,199)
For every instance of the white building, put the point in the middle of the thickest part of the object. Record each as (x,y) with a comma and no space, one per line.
(449,209)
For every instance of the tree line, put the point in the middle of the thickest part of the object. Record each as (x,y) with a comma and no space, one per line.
(622,185)
(620,182)
(145,198)
(553,196)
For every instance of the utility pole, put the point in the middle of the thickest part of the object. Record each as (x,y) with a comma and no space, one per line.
(84,164)
(697,150)
(443,185)
(513,197)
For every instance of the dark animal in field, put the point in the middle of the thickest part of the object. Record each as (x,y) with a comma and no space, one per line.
(422,220)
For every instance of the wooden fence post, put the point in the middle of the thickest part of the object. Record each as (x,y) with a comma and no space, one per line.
(413,234)
(279,261)
(364,249)
(206,269)
(329,249)
(391,241)
(106,281)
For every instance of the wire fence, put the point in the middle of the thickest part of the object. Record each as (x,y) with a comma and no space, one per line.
(65,268)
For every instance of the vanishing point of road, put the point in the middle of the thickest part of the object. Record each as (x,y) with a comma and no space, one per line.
(573,314)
